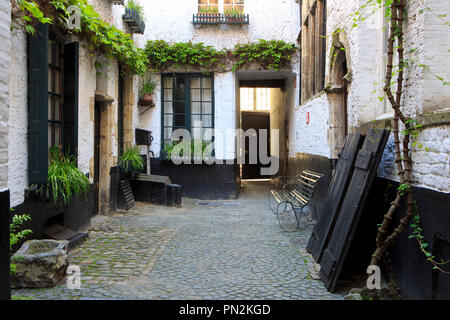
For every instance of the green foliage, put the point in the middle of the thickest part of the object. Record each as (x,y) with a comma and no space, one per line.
(274,54)
(268,54)
(101,36)
(162,55)
(135,5)
(131,158)
(195,147)
(16,235)
(424,245)
(148,87)
(232,12)
(64,178)
(208,9)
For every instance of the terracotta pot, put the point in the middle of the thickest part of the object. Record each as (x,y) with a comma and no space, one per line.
(146,100)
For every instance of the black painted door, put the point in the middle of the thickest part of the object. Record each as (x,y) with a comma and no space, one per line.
(256,121)
(335,195)
(352,208)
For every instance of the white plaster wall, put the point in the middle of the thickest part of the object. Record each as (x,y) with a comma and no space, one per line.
(171,21)
(18,118)
(311,138)
(5,23)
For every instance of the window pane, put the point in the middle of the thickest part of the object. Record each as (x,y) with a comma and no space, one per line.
(207,121)
(57,109)
(57,134)
(178,107)
(49,133)
(206,83)
(168,120)
(50,79)
(168,108)
(58,82)
(206,95)
(168,82)
(196,107)
(195,95)
(195,83)
(196,121)
(179,121)
(207,108)
(178,91)
(247,99)
(49,107)
(167,133)
(168,95)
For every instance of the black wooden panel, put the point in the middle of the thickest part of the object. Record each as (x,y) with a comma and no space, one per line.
(335,195)
(352,207)
(5,280)
(70,111)
(38,105)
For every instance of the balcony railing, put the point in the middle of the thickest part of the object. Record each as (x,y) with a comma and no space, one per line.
(218,18)
(134,21)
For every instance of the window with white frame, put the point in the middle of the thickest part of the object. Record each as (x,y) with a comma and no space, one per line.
(236,6)
(208,6)
(255,99)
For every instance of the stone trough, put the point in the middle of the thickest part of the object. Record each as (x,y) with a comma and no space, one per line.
(40,264)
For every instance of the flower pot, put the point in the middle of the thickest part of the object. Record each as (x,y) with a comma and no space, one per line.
(146,100)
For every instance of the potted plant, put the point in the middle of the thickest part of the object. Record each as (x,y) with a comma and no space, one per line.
(233,15)
(134,16)
(146,92)
(130,161)
(209,14)
(64,179)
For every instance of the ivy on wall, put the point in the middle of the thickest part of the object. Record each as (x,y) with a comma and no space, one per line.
(275,54)
(100,36)
(158,55)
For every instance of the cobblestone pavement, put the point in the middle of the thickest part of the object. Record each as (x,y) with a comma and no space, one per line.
(205,250)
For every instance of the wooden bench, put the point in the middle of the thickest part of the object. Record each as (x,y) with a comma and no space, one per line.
(289,200)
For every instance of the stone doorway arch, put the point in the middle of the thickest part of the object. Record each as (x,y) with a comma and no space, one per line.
(337,91)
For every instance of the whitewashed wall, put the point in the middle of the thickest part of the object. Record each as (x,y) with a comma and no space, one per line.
(423,92)
(5,40)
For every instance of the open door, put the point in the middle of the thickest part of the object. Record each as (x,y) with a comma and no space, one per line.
(256,121)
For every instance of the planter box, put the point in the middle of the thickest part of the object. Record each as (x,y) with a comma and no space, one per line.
(134,21)
(217,18)
(44,212)
(207,182)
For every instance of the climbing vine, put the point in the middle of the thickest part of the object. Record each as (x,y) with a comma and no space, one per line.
(275,54)
(100,36)
(162,55)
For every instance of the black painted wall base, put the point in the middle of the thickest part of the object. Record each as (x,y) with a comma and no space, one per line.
(206,182)
(415,276)
(306,161)
(44,212)
(5,280)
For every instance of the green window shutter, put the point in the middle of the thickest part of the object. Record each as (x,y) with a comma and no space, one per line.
(70,105)
(38,105)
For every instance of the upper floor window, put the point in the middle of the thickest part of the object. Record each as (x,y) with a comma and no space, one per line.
(312,39)
(233,5)
(221,6)
(208,6)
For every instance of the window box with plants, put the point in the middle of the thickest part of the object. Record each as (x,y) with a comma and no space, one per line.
(235,16)
(146,92)
(66,198)
(134,17)
(207,15)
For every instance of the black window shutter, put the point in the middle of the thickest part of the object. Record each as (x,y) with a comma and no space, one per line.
(70,106)
(38,105)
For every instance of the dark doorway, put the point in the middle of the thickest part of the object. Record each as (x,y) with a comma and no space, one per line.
(96,157)
(256,121)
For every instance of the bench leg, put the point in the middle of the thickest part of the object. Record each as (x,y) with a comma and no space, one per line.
(287,219)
